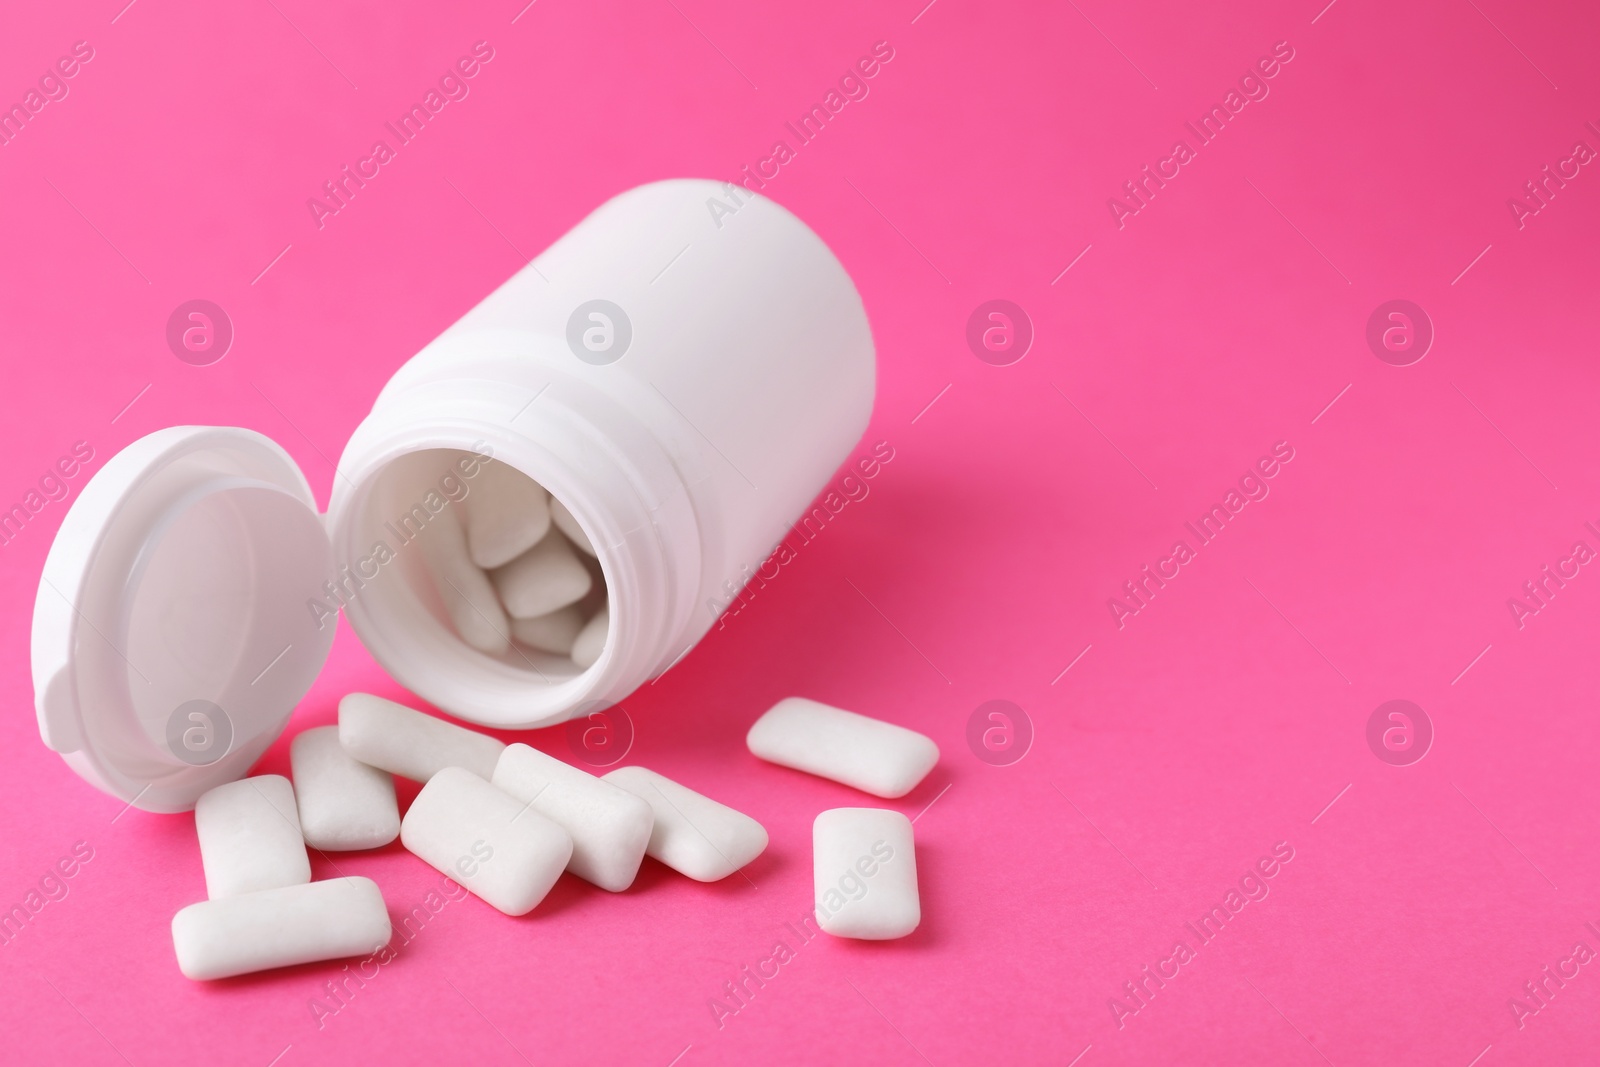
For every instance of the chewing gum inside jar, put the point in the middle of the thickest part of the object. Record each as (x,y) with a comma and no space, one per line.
(440,515)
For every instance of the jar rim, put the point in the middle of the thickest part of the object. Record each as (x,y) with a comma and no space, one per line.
(596,470)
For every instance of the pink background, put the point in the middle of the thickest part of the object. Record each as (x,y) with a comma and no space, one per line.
(1222,318)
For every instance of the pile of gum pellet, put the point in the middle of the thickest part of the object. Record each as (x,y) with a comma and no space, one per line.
(508,570)
(504,821)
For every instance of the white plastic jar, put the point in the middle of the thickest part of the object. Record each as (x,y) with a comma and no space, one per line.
(684,371)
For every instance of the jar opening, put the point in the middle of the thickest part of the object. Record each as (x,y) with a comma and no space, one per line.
(409,577)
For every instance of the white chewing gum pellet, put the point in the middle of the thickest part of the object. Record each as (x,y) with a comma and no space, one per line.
(404,741)
(250,838)
(280,928)
(554,632)
(591,640)
(543,579)
(865,874)
(468,595)
(610,827)
(507,514)
(569,526)
(693,834)
(868,754)
(344,804)
(491,843)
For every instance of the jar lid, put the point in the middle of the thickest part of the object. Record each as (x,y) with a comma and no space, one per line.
(176,624)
